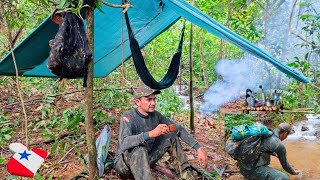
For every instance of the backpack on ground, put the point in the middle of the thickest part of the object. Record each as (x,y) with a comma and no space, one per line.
(70,54)
(246,149)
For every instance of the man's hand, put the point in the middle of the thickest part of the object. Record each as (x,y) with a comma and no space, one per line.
(159,130)
(202,156)
(298,171)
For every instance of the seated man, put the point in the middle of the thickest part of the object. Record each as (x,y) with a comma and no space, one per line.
(144,137)
(272,145)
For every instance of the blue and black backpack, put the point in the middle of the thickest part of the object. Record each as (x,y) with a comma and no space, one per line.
(245,142)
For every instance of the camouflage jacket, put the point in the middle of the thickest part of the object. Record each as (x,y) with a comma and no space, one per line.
(134,128)
(270,146)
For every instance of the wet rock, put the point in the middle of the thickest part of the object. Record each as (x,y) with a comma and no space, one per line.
(304,128)
(316,126)
(308,133)
(317,133)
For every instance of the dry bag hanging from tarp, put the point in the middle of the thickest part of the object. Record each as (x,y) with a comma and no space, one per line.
(142,69)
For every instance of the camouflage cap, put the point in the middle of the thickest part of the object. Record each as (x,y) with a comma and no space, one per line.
(144,91)
(286,127)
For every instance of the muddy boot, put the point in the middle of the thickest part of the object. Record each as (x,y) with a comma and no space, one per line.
(169,143)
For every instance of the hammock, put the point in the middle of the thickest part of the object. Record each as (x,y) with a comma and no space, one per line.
(142,69)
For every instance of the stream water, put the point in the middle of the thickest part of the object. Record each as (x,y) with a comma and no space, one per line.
(303,149)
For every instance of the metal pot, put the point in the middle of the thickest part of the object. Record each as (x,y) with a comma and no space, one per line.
(269,103)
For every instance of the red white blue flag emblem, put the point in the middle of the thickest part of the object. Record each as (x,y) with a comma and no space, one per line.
(25,163)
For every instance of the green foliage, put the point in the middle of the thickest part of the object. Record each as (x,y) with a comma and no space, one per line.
(168,103)
(238,119)
(290,118)
(312,22)
(71,119)
(112,98)
(211,175)
(6,129)
(2,160)
(46,85)
(52,123)
(246,28)
(101,117)
(303,95)
(216,9)
(48,118)
(72,6)
(13,177)
(309,97)
(36,177)
(19,14)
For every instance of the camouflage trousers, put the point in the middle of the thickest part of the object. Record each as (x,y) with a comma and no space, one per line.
(265,173)
(137,162)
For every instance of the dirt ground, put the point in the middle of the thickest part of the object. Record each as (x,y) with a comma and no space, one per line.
(209,133)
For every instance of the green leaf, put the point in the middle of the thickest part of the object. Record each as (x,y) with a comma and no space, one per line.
(50,177)
(62,4)
(44,2)
(304,17)
(13,177)
(210,133)
(62,147)
(7,137)
(2,160)
(54,147)
(100,9)
(38,177)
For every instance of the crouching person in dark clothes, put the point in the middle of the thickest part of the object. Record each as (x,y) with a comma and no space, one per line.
(144,137)
(270,146)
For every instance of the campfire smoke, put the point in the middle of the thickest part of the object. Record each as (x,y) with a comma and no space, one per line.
(248,72)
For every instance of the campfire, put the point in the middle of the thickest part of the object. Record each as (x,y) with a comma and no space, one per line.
(263,100)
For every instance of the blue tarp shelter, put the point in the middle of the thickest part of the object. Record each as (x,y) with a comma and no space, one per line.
(148,19)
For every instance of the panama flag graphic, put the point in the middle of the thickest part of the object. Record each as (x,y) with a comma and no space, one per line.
(25,163)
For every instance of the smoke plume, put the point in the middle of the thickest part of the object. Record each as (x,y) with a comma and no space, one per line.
(248,72)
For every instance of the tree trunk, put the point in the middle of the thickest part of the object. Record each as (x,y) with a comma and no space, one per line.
(203,69)
(90,132)
(192,129)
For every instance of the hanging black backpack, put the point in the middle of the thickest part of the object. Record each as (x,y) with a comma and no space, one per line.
(70,53)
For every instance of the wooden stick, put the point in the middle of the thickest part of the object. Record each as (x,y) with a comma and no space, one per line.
(232,171)
(296,111)
(304,108)
(61,136)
